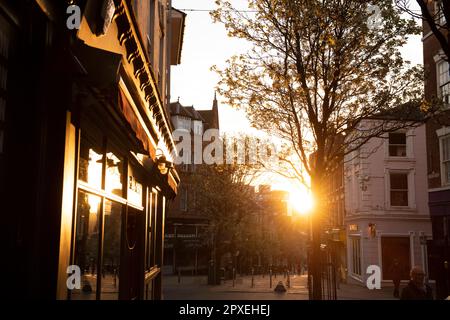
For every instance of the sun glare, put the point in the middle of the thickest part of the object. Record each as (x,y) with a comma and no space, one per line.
(301,201)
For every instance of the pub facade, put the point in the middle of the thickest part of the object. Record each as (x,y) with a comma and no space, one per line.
(86,137)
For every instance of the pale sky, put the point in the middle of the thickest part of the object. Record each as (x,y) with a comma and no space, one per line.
(207,44)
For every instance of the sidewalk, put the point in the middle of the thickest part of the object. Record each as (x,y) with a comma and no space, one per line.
(196,288)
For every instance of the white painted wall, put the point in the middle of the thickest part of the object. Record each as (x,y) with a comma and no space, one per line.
(367,196)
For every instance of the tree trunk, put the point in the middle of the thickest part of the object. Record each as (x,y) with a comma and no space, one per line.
(316,229)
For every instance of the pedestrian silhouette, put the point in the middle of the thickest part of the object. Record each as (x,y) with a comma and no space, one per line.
(396,272)
(416,288)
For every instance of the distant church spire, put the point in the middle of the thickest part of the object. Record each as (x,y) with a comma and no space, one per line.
(215,100)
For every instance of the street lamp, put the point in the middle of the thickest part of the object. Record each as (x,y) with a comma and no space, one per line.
(163,165)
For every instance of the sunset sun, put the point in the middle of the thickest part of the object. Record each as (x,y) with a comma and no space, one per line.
(301,201)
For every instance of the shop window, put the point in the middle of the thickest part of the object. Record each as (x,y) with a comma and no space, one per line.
(151,232)
(114,174)
(149,291)
(86,244)
(111,250)
(134,191)
(91,163)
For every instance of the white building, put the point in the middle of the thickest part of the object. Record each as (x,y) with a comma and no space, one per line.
(386,203)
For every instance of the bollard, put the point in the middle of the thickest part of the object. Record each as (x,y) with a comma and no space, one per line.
(288,280)
(270,275)
(253,271)
(179,276)
(234,276)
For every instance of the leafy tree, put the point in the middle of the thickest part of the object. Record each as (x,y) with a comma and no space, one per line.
(315,70)
(223,195)
(436,14)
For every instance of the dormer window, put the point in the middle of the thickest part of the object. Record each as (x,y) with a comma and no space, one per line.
(397,144)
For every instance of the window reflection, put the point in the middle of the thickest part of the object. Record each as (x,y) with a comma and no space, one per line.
(111,250)
(91,163)
(134,191)
(113,178)
(86,247)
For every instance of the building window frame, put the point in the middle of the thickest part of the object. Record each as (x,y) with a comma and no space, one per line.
(397,146)
(356,255)
(184,198)
(106,147)
(443,80)
(439,16)
(410,189)
(444,137)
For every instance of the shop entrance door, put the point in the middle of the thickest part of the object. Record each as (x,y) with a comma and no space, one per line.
(130,276)
(395,248)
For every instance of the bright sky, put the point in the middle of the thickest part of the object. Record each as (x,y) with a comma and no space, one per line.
(207,44)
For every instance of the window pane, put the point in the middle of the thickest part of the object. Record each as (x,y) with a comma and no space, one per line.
(397,151)
(399,198)
(91,163)
(399,181)
(397,138)
(447,171)
(86,244)
(152,239)
(111,250)
(113,174)
(446,149)
(148,245)
(149,291)
(134,190)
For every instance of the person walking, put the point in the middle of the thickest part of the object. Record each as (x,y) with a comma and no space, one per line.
(416,288)
(396,273)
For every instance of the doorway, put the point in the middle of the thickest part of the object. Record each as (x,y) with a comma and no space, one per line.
(395,248)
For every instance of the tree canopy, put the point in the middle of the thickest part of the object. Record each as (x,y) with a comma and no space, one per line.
(316,69)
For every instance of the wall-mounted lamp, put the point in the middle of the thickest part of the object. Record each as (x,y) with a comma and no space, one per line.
(372,230)
(163,165)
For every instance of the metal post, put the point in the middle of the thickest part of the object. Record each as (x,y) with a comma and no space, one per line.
(234,275)
(253,271)
(270,275)
(179,276)
(288,280)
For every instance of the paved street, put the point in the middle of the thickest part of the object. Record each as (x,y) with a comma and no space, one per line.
(196,288)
